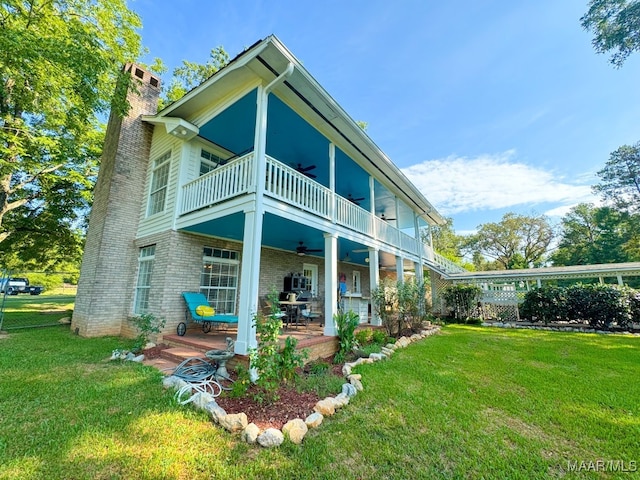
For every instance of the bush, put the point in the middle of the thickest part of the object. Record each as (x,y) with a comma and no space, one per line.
(146,324)
(346,323)
(599,305)
(379,337)
(462,299)
(364,336)
(548,303)
(384,301)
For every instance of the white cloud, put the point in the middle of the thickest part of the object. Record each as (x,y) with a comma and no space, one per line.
(487,182)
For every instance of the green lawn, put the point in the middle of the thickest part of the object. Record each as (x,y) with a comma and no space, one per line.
(469,403)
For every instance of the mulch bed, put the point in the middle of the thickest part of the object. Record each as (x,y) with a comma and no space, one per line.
(290,403)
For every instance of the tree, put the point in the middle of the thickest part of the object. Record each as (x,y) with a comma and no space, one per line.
(592,235)
(517,241)
(59,62)
(615,25)
(190,74)
(620,178)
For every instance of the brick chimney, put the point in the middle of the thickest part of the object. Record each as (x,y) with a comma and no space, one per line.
(105,289)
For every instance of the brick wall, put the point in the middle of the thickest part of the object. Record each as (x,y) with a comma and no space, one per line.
(109,262)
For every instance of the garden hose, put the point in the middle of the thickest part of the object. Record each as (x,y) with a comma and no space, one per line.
(199,375)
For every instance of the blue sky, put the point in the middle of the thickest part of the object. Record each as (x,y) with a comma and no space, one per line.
(489,107)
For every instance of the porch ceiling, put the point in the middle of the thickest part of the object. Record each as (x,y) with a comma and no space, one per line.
(280,233)
(297,144)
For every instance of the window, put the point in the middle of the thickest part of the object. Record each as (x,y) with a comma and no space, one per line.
(159,181)
(209,161)
(219,279)
(311,272)
(355,282)
(143,286)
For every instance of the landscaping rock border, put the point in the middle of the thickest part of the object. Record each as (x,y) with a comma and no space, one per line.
(296,429)
(556,328)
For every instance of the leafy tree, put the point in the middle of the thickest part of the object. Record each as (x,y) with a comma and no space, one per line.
(190,74)
(59,62)
(615,25)
(591,235)
(517,241)
(447,243)
(620,178)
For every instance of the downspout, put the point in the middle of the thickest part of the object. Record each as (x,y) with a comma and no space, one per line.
(283,76)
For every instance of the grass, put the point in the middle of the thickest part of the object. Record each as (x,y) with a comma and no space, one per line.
(471,402)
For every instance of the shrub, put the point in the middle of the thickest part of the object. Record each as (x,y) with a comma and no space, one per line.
(599,305)
(384,301)
(462,299)
(146,324)
(548,303)
(412,304)
(273,365)
(379,337)
(346,323)
(364,336)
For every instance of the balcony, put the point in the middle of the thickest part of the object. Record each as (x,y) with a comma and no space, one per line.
(289,186)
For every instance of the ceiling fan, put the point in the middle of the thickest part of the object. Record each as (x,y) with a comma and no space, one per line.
(302,249)
(305,170)
(352,199)
(386,219)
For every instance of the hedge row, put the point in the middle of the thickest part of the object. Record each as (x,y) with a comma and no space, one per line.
(602,306)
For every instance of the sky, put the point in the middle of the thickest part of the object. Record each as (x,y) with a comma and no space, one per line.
(488,107)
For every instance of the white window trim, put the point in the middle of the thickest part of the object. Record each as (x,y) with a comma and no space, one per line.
(314,277)
(356,282)
(229,261)
(146,255)
(158,163)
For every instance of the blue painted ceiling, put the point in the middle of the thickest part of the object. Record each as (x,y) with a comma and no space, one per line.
(291,140)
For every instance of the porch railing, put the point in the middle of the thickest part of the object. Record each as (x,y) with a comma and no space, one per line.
(292,187)
(223,183)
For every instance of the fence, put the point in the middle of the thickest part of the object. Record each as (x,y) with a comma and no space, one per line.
(25,307)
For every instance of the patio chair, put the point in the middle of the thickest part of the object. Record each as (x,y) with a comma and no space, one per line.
(200,311)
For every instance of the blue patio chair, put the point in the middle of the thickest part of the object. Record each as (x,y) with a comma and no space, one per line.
(200,311)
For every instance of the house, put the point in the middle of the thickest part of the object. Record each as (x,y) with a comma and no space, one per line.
(254,177)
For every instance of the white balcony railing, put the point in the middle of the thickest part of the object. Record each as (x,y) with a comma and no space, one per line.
(223,183)
(293,188)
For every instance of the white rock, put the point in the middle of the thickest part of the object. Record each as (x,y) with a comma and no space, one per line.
(349,390)
(234,422)
(215,411)
(356,383)
(271,437)
(325,407)
(296,430)
(314,420)
(201,399)
(173,382)
(341,400)
(250,433)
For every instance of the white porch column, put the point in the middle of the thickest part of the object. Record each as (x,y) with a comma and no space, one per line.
(620,282)
(249,281)
(539,283)
(417,266)
(330,283)
(332,182)
(374,282)
(400,269)
(372,195)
